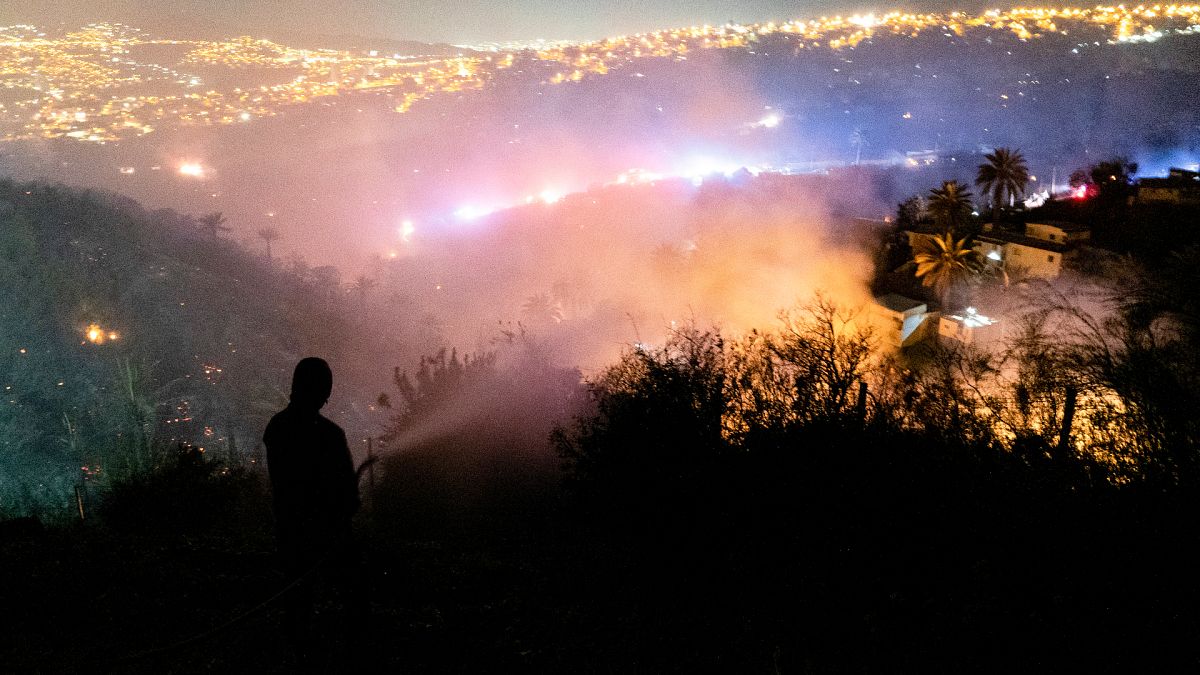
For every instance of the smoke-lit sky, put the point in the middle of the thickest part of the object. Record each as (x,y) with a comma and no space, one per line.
(456,21)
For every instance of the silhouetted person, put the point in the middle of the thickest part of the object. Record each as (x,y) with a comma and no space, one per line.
(315,495)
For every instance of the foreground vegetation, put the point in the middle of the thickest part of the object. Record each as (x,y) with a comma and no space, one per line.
(781,502)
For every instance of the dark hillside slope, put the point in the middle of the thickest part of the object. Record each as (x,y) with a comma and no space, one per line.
(123,330)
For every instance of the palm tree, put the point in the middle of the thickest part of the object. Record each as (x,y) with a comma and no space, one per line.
(1004,175)
(215,224)
(943,262)
(950,205)
(570,296)
(668,259)
(268,235)
(541,308)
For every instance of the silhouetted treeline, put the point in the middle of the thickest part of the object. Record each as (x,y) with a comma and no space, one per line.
(791,502)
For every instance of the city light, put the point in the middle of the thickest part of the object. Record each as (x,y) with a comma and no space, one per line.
(191,170)
(72,68)
(638,177)
(707,166)
(470,212)
(1037,199)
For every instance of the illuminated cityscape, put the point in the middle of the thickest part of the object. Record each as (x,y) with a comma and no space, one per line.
(106,82)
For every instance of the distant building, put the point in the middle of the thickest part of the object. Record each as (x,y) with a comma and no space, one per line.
(902,322)
(917,236)
(920,157)
(1039,251)
(1059,232)
(1181,187)
(967,327)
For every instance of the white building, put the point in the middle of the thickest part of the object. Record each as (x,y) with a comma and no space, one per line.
(902,322)
(967,327)
(1181,186)
(1037,252)
(1059,232)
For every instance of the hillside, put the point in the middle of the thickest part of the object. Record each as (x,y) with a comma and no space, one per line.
(123,330)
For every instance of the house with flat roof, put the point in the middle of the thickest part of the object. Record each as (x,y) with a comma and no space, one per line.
(1058,231)
(1039,250)
(1180,187)
(902,322)
(967,327)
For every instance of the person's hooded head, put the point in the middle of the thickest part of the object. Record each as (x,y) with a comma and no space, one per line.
(312,383)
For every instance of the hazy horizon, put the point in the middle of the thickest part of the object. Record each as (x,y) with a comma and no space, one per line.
(466,22)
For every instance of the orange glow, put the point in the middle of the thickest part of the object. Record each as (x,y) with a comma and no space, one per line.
(191,169)
(97,335)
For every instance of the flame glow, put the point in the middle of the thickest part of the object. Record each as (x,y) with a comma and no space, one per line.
(191,169)
(97,335)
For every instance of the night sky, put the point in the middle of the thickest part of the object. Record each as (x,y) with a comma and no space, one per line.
(458,21)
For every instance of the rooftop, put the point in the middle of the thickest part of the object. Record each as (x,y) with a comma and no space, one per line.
(1170,182)
(971,318)
(1022,240)
(1062,225)
(898,303)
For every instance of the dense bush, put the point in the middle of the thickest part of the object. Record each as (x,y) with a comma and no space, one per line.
(809,505)
(188,493)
